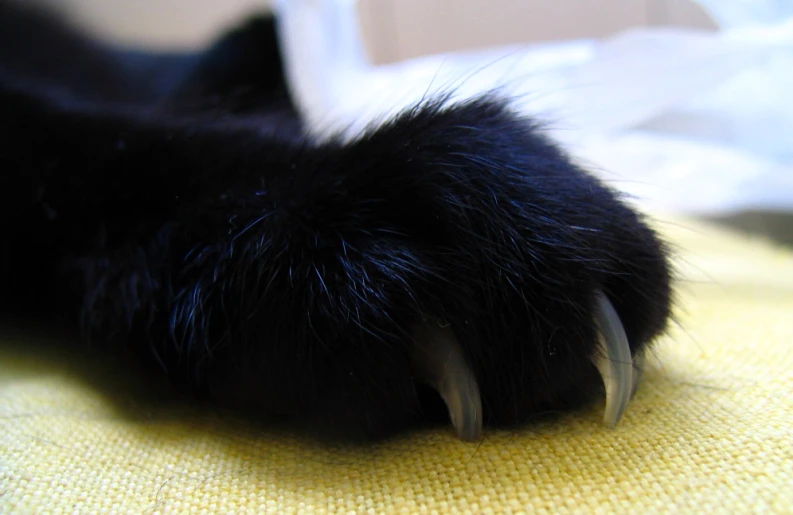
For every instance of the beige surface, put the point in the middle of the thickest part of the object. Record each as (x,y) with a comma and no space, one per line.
(399,29)
(710,431)
(160,23)
(395,29)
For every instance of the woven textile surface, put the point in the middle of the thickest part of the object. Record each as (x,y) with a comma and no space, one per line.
(710,430)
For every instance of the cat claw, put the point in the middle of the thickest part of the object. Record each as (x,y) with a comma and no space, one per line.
(441,363)
(614,361)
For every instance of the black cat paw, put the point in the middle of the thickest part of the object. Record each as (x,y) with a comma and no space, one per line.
(454,248)
(451,264)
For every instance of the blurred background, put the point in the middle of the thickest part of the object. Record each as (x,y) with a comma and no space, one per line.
(400,29)
(724,152)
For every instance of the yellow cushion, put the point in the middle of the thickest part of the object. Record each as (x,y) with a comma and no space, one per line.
(710,431)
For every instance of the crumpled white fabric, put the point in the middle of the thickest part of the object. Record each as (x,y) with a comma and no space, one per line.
(679,119)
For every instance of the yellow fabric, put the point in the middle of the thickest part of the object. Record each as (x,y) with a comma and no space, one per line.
(710,431)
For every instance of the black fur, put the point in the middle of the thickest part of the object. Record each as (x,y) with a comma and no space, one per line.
(169,206)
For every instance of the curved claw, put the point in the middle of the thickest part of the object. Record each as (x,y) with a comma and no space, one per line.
(613,360)
(440,362)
